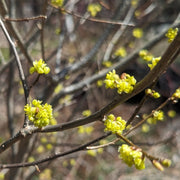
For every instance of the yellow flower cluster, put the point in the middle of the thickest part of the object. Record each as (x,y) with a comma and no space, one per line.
(154,62)
(40,67)
(171,34)
(99,83)
(132,156)
(152,93)
(134,3)
(40,115)
(115,125)
(157,116)
(176,95)
(58,3)
(107,63)
(94,8)
(86,113)
(121,52)
(137,33)
(146,56)
(125,83)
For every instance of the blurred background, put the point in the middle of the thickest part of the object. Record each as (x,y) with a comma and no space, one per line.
(78,49)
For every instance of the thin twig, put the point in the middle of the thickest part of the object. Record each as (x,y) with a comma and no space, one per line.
(54,156)
(144,119)
(21,72)
(117,35)
(94,19)
(138,107)
(40,17)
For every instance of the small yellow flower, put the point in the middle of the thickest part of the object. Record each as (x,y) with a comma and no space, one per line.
(49,146)
(86,113)
(157,116)
(58,31)
(92,152)
(145,55)
(121,52)
(58,88)
(40,149)
(46,174)
(171,113)
(107,63)
(134,3)
(154,62)
(72,162)
(66,99)
(58,3)
(43,140)
(145,128)
(171,34)
(152,93)
(176,95)
(40,67)
(93,9)
(137,13)
(71,60)
(65,163)
(137,33)
(31,159)
(99,83)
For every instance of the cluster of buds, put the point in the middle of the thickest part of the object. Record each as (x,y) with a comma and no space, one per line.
(115,125)
(40,114)
(93,9)
(152,93)
(171,34)
(40,67)
(157,116)
(125,83)
(132,156)
(146,56)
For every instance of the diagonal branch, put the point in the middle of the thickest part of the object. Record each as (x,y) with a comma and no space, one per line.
(21,72)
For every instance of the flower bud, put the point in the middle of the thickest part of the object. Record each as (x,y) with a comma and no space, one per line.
(157,165)
(166,162)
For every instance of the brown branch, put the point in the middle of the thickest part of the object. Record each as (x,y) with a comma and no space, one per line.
(21,72)
(40,17)
(54,156)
